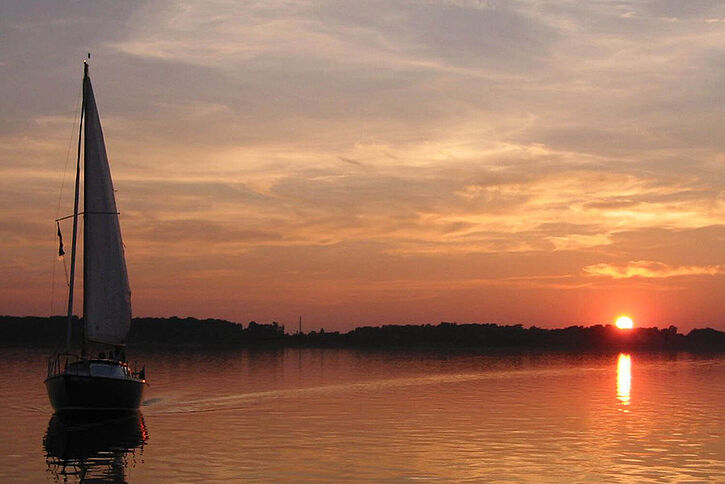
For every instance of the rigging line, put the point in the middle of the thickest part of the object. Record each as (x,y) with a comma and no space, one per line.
(71,139)
(84,213)
(52,289)
(65,268)
(52,282)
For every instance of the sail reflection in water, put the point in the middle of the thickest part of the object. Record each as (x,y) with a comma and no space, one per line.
(93,446)
(624,379)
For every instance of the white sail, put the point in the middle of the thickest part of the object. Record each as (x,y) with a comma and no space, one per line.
(106,291)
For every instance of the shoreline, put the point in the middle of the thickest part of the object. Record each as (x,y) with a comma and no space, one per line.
(214,334)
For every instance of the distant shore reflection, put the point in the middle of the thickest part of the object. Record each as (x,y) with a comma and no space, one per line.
(624,379)
(93,447)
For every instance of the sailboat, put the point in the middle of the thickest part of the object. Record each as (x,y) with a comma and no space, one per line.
(99,377)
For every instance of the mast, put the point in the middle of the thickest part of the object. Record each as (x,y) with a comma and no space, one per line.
(71,282)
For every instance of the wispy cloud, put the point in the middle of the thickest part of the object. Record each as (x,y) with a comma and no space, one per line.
(651,269)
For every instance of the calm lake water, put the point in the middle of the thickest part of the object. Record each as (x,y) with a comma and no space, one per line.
(348,416)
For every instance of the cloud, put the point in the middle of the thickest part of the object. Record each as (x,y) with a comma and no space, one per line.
(651,269)
(500,144)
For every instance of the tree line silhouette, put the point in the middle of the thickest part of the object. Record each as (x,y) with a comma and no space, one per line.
(191,332)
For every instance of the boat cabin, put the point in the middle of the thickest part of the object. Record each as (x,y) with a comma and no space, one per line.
(101,368)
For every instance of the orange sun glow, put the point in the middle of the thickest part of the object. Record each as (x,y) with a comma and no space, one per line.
(624,322)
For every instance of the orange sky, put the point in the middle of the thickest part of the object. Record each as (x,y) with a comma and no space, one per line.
(360,163)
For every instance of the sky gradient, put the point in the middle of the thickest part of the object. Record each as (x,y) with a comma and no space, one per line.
(362,163)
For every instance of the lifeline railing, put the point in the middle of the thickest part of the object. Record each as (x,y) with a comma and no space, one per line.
(54,362)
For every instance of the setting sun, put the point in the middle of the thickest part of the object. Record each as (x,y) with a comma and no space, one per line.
(624,322)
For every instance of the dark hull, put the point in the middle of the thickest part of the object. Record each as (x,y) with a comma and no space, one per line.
(81,392)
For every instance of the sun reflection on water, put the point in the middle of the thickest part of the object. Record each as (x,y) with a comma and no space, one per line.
(624,380)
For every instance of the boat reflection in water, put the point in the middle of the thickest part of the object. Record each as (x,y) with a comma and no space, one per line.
(624,380)
(93,446)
